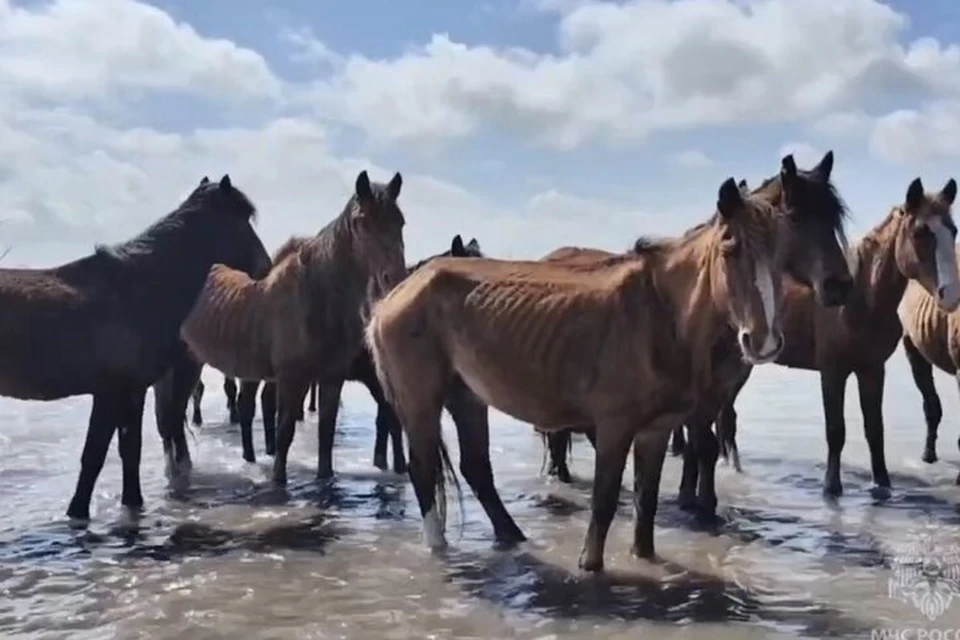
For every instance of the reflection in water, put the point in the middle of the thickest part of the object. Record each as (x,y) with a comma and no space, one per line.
(234,556)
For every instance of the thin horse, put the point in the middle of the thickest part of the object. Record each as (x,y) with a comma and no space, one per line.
(914,243)
(108,324)
(622,344)
(815,256)
(304,321)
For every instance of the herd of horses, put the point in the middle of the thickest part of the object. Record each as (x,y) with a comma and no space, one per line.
(629,349)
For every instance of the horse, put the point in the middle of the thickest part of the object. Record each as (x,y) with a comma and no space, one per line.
(815,257)
(361,370)
(931,337)
(304,321)
(108,324)
(914,245)
(622,343)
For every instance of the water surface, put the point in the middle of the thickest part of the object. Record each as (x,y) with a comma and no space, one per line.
(236,558)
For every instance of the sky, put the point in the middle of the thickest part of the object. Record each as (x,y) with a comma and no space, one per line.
(528,124)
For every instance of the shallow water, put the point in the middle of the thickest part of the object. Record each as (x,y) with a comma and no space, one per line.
(235,558)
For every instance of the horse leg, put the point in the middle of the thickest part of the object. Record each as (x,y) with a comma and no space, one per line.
(870,386)
(922,372)
(649,453)
(689,476)
(312,408)
(727,435)
(197,396)
(268,408)
(171,395)
(388,425)
(558,442)
(246,405)
(130,445)
(103,421)
(833,389)
(299,408)
(470,416)
(328,405)
(614,437)
(290,389)
(679,441)
(230,390)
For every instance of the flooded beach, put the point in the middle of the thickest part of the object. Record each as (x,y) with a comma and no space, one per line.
(235,557)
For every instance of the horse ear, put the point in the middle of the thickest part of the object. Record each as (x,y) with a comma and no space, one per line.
(363,190)
(473,245)
(742,185)
(456,247)
(204,181)
(915,194)
(788,167)
(393,188)
(729,198)
(825,167)
(949,192)
(225,183)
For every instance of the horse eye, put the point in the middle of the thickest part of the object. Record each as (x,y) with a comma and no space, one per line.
(730,249)
(922,231)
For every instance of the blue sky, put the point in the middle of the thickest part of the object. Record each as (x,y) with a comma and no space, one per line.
(531,150)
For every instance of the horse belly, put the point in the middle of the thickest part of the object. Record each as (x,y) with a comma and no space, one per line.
(526,398)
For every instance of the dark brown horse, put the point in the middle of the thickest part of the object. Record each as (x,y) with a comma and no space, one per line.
(815,257)
(108,325)
(931,338)
(914,243)
(302,322)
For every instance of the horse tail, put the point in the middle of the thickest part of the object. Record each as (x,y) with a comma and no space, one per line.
(441,497)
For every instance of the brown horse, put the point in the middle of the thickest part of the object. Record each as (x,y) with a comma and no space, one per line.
(108,324)
(302,322)
(362,371)
(623,344)
(815,257)
(931,338)
(914,243)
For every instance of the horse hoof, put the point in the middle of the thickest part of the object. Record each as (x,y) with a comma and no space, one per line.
(590,562)
(878,492)
(832,490)
(929,456)
(129,518)
(687,502)
(400,467)
(380,462)
(642,551)
(78,523)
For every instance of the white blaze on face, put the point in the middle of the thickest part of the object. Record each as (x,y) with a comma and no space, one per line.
(433,529)
(945,255)
(764,282)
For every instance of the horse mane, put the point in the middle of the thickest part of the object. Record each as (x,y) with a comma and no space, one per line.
(144,243)
(649,246)
(826,199)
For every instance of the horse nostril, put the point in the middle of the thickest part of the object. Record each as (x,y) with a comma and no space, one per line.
(941,292)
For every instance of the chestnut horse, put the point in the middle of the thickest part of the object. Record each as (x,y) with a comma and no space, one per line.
(624,344)
(108,324)
(304,321)
(362,371)
(815,256)
(914,243)
(931,338)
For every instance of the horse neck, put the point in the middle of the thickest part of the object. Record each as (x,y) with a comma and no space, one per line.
(170,262)
(695,295)
(880,284)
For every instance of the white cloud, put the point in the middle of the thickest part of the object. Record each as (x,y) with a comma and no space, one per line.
(94,49)
(691,159)
(914,136)
(843,124)
(627,69)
